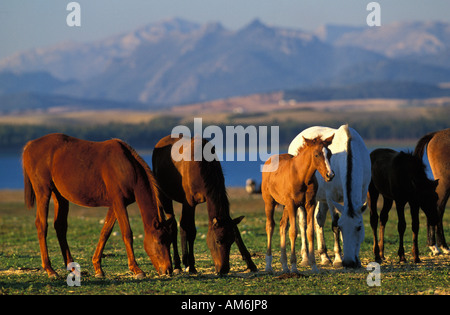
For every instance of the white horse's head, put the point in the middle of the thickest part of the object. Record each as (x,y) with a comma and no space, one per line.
(352,228)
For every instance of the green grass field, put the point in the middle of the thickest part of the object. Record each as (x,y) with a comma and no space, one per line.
(20,271)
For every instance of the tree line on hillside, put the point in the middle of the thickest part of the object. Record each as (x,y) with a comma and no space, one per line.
(146,135)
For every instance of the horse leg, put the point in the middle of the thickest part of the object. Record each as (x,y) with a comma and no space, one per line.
(42,201)
(415,230)
(270,224)
(283,225)
(384,216)
(292,211)
(401,226)
(110,220)
(60,225)
(168,209)
(320,217)
(188,233)
(243,250)
(372,197)
(127,236)
(303,237)
(443,198)
(336,233)
(310,208)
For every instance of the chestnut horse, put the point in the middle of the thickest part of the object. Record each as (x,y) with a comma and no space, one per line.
(294,185)
(399,177)
(438,152)
(191,181)
(94,174)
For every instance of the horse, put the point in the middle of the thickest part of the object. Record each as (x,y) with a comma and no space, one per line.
(190,181)
(293,184)
(400,177)
(351,163)
(438,152)
(94,174)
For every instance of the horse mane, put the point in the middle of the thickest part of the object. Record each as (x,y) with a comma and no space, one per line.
(212,175)
(348,179)
(151,179)
(418,166)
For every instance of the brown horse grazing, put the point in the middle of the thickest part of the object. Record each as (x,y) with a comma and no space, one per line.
(438,152)
(94,174)
(189,181)
(399,177)
(294,185)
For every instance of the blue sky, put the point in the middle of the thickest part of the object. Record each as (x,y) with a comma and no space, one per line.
(27,24)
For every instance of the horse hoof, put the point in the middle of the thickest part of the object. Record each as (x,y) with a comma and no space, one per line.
(140,275)
(177,271)
(53,275)
(304,263)
(99,275)
(337,264)
(445,250)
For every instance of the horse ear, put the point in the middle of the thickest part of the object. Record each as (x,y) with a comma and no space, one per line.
(338,206)
(328,140)
(238,220)
(308,141)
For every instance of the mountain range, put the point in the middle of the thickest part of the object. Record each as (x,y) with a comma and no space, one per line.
(175,61)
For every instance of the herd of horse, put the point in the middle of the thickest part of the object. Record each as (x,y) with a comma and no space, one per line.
(325,170)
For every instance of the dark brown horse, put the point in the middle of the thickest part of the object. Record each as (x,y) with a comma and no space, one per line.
(94,174)
(294,185)
(188,181)
(438,152)
(399,177)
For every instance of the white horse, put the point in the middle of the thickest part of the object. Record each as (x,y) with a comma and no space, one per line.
(351,163)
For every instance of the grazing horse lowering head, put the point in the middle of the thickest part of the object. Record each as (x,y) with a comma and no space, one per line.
(351,225)
(424,189)
(157,245)
(220,237)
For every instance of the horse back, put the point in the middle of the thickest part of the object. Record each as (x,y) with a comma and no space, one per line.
(182,180)
(84,172)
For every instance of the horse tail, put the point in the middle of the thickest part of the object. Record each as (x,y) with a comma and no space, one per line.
(29,195)
(422,143)
(151,179)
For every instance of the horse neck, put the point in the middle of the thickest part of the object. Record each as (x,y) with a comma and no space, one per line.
(148,202)
(303,166)
(218,206)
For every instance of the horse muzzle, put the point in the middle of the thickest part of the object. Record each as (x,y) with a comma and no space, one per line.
(329,176)
(351,263)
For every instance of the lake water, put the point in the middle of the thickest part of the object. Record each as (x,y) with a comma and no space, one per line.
(236,172)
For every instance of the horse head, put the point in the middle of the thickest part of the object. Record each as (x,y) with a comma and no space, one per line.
(321,155)
(157,245)
(351,225)
(220,237)
(423,189)
(428,199)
